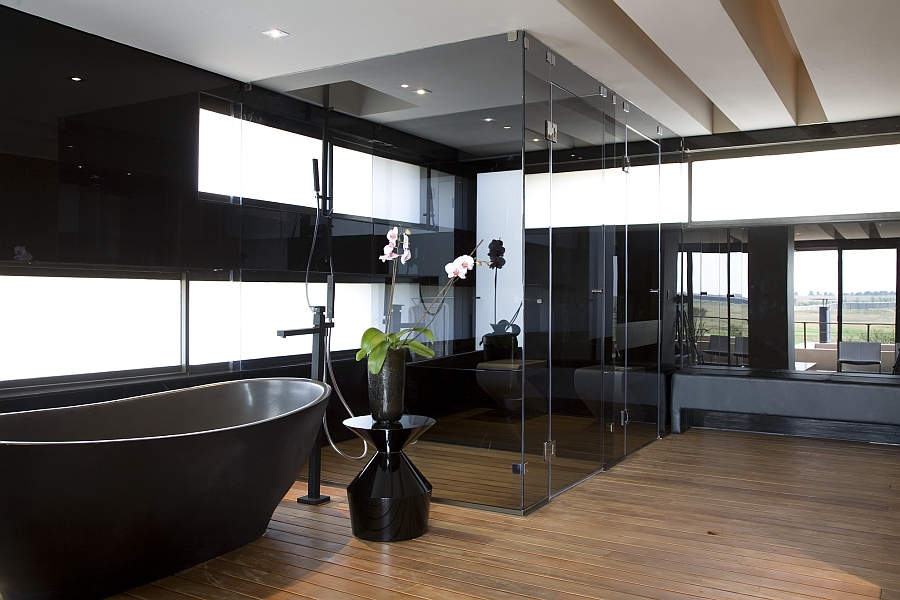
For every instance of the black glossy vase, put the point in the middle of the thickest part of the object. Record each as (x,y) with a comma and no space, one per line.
(500,346)
(387,388)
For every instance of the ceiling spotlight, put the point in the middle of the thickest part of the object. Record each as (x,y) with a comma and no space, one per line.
(487,119)
(75,78)
(275,33)
(404,85)
(422,91)
(507,127)
(536,140)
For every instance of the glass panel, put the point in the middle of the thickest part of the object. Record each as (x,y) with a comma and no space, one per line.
(215,335)
(616,275)
(536,323)
(137,325)
(578,311)
(780,185)
(415,162)
(815,310)
(641,375)
(869,310)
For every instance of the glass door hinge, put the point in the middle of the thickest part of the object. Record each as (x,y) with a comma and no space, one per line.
(550,131)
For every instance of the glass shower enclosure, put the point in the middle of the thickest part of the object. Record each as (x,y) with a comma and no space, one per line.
(549,363)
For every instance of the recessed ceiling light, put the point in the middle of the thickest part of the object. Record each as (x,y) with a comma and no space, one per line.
(507,127)
(422,91)
(536,140)
(487,119)
(404,85)
(275,33)
(75,78)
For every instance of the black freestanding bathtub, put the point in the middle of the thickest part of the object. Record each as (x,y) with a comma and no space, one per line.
(101,498)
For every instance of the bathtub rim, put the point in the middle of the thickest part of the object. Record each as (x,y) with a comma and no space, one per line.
(323,397)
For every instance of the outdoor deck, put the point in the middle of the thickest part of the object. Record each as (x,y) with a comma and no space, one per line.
(707,514)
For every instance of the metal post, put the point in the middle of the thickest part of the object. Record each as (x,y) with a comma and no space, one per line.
(317,369)
(321,325)
(824,323)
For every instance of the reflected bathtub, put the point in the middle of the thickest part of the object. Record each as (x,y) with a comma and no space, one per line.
(101,498)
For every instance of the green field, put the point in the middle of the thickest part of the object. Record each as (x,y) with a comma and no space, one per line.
(860,325)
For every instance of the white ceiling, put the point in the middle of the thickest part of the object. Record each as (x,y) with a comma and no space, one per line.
(698,66)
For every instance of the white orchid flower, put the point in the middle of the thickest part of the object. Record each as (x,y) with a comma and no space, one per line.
(466,262)
(453,270)
(389,253)
(392,235)
(405,256)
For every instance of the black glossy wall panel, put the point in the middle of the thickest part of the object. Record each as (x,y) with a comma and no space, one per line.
(104,170)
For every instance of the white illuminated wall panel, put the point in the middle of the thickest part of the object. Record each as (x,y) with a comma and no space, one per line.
(54,326)
(830,182)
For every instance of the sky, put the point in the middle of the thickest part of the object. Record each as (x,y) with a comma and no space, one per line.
(864,270)
(816,271)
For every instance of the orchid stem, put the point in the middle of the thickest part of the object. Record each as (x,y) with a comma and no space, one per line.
(390,306)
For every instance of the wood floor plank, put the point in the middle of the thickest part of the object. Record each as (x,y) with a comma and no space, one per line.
(706,514)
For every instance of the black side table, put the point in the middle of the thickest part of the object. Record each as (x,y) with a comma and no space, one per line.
(390,498)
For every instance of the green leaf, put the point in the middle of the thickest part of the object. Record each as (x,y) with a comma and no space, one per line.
(419,330)
(420,349)
(371,337)
(377,355)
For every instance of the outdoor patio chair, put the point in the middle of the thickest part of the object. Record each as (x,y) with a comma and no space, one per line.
(718,345)
(741,348)
(859,353)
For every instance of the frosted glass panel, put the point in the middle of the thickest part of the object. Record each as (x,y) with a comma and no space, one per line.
(396,191)
(831,182)
(215,332)
(69,325)
(276,165)
(219,167)
(370,186)
(244,159)
(352,182)
(582,198)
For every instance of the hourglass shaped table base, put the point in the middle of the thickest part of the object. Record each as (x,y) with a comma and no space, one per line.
(390,499)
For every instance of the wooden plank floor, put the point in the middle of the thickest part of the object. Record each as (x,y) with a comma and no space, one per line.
(707,514)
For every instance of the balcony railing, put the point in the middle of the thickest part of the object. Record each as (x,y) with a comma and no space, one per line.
(851,331)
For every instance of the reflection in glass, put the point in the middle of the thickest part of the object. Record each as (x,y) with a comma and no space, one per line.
(815,309)
(869,296)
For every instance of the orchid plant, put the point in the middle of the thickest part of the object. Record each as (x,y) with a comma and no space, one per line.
(375,343)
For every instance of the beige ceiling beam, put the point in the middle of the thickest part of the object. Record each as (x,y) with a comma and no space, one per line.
(609,22)
(765,31)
